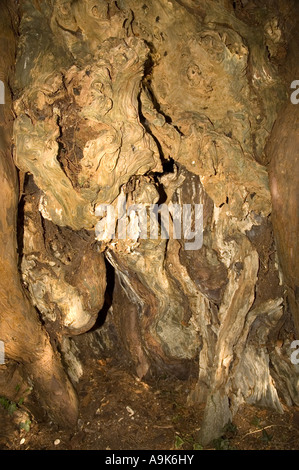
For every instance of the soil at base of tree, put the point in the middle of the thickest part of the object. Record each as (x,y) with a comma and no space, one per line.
(120,412)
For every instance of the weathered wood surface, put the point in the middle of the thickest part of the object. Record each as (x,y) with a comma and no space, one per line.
(162,101)
(25,341)
(283,154)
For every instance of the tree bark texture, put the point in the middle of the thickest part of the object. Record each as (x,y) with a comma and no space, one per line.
(162,102)
(25,340)
(282,149)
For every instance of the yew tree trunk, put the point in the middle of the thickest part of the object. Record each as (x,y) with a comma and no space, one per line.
(283,151)
(161,101)
(25,341)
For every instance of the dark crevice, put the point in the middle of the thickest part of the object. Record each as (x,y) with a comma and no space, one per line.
(20,230)
(167,163)
(29,187)
(78,33)
(110,276)
(148,70)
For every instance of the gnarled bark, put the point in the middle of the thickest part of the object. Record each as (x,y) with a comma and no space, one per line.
(160,102)
(25,340)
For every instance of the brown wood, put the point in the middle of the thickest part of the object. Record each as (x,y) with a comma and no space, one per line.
(20,329)
(162,101)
